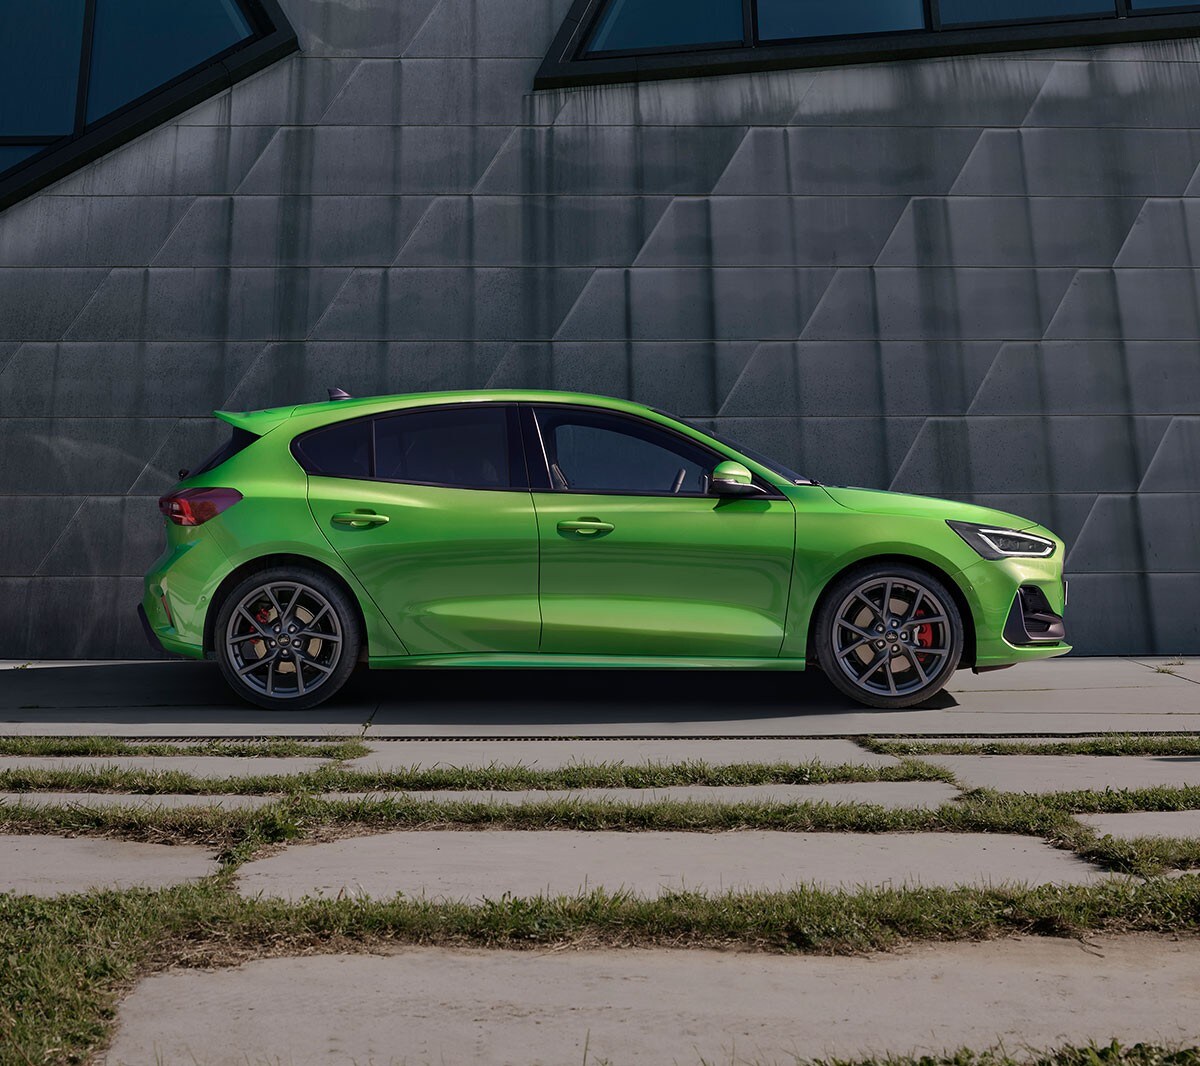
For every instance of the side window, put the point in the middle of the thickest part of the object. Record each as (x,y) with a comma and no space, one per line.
(592,451)
(460,447)
(342,450)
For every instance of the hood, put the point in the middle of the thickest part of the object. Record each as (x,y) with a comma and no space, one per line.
(874,501)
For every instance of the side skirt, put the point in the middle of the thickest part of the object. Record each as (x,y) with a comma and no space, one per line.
(493,660)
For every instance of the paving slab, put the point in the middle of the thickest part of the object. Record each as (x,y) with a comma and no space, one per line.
(486,1008)
(555,754)
(95,800)
(1189,669)
(488,864)
(179,699)
(1174,824)
(1067,773)
(53,866)
(211,766)
(898,795)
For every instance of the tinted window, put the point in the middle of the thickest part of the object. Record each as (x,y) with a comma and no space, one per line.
(10,157)
(140,44)
(955,12)
(39,66)
(343,450)
(628,25)
(238,440)
(461,447)
(782,19)
(591,451)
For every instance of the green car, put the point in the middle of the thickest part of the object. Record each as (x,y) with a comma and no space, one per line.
(503,528)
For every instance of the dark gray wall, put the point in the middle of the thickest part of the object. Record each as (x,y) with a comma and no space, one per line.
(971,277)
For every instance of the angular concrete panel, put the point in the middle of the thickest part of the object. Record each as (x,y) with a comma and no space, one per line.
(37,304)
(1133,304)
(1051,454)
(129,378)
(975,91)
(294,92)
(205,303)
(626,160)
(108,536)
(435,92)
(773,231)
(1141,95)
(81,231)
(174,161)
(30,525)
(447,304)
(533,231)
(857,378)
(357,27)
(687,303)
(1008,231)
(1080,162)
(832,161)
(75,455)
(903,303)
(103,622)
(1166,234)
(366,160)
(1176,465)
(489,28)
(1156,532)
(293,231)
(1092,377)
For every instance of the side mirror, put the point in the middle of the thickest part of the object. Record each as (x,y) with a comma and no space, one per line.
(733,479)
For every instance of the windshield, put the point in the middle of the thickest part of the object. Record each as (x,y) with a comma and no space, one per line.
(771,464)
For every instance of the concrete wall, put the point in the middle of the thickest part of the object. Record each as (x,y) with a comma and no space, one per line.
(971,277)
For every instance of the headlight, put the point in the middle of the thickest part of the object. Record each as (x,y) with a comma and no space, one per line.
(993,543)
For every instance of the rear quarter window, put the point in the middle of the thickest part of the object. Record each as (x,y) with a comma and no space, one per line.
(341,450)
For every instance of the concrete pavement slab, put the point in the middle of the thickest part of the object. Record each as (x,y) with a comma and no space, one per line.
(1057,674)
(1174,824)
(138,802)
(53,866)
(555,754)
(180,699)
(486,864)
(486,1008)
(1067,773)
(898,795)
(212,766)
(1170,666)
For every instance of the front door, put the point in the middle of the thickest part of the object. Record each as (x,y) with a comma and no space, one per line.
(637,558)
(430,510)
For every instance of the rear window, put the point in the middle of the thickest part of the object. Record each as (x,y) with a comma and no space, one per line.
(458,447)
(239,440)
(342,450)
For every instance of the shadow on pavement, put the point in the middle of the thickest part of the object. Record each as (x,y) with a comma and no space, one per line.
(135,692)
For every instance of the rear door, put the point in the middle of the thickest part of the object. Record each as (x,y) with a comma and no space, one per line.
(430,508)
(637,558)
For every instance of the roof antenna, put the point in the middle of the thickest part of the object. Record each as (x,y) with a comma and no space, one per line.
(338,394)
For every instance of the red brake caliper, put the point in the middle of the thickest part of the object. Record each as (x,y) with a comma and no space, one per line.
(262,616)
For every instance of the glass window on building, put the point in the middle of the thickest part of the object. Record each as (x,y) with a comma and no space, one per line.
(780,20)
(39,67)
(966,12)
(637,25)
(141,44)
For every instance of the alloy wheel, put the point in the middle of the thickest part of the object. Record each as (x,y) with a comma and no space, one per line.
(892,636)
(284,640)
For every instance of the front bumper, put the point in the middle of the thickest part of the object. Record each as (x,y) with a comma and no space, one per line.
(1012,626)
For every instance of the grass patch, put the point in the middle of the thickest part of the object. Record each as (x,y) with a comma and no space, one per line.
(112,747)
(493,778)
(1115,745)
(64,962)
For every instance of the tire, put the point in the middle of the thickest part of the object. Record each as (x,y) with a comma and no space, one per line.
(888,635)
(256,644)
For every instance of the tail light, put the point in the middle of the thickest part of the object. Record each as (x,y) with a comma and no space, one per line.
(194,507)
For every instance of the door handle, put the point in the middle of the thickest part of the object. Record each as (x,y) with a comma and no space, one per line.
(360,519)
(588,527)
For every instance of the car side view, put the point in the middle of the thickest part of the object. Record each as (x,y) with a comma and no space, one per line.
(506,528)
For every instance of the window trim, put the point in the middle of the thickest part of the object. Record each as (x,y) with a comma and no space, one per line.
(566,66)
(533,430)
(273,39)
(515,433)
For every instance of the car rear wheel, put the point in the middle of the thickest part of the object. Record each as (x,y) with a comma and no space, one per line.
(286,638)
(889,635)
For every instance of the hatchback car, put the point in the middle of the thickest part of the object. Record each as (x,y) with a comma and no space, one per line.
(565,530)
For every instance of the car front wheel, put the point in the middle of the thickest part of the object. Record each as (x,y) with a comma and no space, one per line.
(889,636)
(286,638)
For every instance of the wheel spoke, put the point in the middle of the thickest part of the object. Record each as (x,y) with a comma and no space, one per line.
(253,621)
(250,667)
(274,603)
(308,634)
(874,608)
(243,638)
(887,602)
(855,646)
(915,607)
(912,658)
(287,613)
(866,633)
(299,676)
(314,664)
(891,675)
